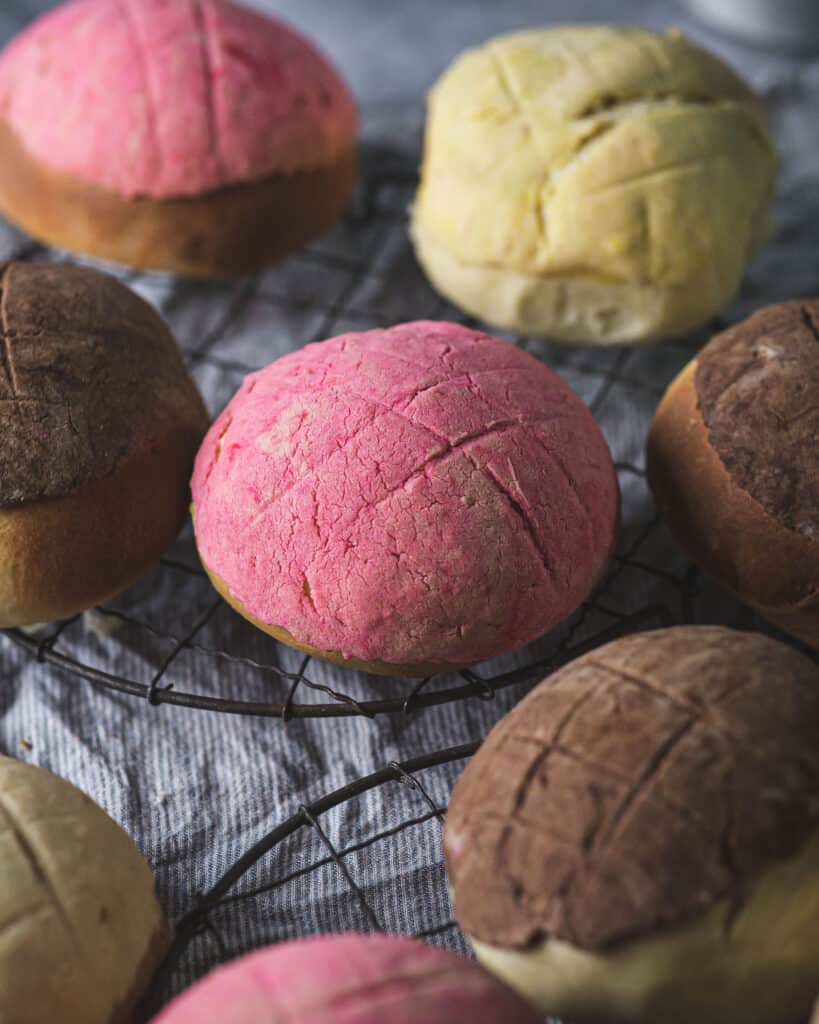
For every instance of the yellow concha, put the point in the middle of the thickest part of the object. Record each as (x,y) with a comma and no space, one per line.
(592,183)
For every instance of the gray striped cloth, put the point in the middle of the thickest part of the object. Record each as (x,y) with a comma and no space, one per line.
(197,788)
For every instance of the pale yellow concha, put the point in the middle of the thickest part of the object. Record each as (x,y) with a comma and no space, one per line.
(592,183)
(80,927)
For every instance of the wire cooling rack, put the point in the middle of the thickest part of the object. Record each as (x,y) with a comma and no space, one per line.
(366,854)
(233,895)
(229,897)
(358,288)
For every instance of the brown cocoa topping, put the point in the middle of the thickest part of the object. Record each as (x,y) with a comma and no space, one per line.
(635,788)
(89,376)
(757,388)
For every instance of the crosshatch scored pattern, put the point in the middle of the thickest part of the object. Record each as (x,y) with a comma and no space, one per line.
(343,860)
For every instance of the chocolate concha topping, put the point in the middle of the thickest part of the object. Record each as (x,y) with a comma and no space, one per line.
(89,376)
(757,389)
(635,788)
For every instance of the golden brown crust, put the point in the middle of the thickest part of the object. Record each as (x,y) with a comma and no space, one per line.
(378,668)
(61,555)
(725,531)
(232,230)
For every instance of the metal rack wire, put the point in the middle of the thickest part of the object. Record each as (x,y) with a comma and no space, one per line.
(376,224)
(199,920)
(357,281)
(364,276)
(414,697)
(231,894)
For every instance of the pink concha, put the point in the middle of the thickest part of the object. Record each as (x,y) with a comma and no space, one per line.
(171,97)
(349,979)
(424,493)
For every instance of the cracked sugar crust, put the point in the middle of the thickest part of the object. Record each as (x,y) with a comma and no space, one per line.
(757,388)
(77,908)
(351,979)
(422,493)
(89,376)
(635,788)
(167,98)
(616,154)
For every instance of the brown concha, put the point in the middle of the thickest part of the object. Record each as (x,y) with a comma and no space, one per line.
(100,422)
(733,463)
(635,788)
(90,376)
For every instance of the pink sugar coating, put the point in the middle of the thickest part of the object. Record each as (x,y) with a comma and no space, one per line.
(349,979)
(421,493)
(171,97)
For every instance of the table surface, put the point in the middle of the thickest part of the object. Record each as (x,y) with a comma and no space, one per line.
(196,788)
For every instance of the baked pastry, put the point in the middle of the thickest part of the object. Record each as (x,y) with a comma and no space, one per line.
(99,423)
(81,930)
(405,500)
(733,464)
(350,979)
(189,135)
(638,840)
(592,183)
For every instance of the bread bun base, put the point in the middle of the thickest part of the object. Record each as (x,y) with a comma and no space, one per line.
(232,230)
(756,962)
(725,531)
(378,668)
(63,555)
